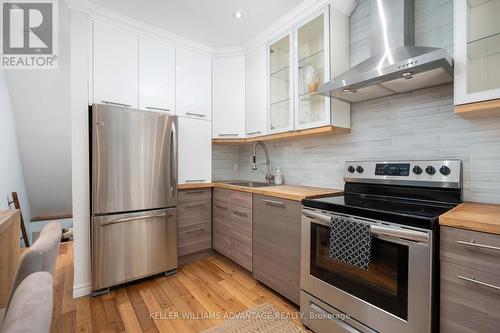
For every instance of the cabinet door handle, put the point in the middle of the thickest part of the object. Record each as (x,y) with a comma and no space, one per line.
(195,180)
(473,280)
(474,244)
(196,114)
(221,207)
(240,213)
(274,203)
(117,104)
(157,109)
(252,133)
(227,134)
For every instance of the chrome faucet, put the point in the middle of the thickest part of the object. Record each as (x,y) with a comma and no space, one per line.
(269,177)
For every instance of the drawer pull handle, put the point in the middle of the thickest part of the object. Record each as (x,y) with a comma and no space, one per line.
(196,114)
(473,280)
(195,230)
(473,243)
(253,133)
(221,207)
(240,213)
(194,192)
(117,104)
(157,109)
(194,206)
(195,180)
(274,203)
(227,134)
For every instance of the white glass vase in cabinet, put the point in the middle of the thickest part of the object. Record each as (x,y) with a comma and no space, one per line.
(280,84)
(311,69)
(477,51)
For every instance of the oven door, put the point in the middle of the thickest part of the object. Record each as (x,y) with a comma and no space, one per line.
(393,295)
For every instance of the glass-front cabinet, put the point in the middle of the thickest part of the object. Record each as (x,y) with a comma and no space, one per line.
(477,51)
(299,62)
(311,69)
(280,55)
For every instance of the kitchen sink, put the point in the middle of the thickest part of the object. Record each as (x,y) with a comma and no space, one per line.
(249,183)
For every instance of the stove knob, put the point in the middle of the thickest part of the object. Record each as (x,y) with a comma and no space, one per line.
(445,171)
(360,169)
(417,170)
(430,170)
(351,169)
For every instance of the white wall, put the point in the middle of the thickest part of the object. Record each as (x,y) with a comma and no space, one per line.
(80,152)
(40,99)
(11,173)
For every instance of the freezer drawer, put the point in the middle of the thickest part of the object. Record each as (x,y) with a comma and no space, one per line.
(127,247)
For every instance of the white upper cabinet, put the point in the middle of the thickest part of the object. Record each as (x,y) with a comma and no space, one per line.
(193,85)
(195,151)
(256,100)
(156,75)
(299,61)
(228,97)
(311,69)
(280,83)
(477,51)
(115,65)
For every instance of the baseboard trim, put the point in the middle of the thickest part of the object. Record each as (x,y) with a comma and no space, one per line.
(82,290)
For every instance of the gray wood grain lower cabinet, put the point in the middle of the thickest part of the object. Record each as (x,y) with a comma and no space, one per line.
(470,281)
(276,245)
(194,221)
(232,226)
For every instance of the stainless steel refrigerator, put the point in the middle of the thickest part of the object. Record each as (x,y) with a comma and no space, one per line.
(133,195)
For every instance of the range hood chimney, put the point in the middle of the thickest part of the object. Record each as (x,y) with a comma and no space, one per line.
(395,66)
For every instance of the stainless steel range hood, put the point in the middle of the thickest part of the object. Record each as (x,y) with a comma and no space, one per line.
(396,66)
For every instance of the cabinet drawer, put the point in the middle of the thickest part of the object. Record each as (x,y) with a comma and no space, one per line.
(194,213)
(241,250)
(241,221)
(187,196)
(468,306)
(242,199)
(238,198)
(222,195)
(222,245)
(473,249)
(194,238)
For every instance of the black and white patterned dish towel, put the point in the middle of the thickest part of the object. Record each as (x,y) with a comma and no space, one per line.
(350,242)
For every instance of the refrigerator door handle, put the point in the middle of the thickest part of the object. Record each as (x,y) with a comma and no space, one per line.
(173,159)
(134,218)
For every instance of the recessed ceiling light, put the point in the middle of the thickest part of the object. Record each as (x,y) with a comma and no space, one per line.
(238,14)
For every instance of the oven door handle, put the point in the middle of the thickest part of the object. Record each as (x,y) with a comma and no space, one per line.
(413,235)
(400,233)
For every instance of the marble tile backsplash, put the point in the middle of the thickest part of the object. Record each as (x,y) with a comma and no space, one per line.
(417,125)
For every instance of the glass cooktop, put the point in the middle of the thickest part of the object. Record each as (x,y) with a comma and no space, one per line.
(404,211)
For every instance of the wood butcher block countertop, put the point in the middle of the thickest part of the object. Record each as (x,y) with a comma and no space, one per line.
(290,192)
(7,217)
(473,216)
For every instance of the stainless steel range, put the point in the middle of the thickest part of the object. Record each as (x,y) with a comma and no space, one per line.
(401,201)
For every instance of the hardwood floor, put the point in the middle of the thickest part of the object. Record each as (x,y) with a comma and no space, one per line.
(196,298)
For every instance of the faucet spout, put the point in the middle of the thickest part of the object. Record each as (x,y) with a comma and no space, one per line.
(269,177)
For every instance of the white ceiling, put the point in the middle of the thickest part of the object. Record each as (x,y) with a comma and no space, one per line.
(209,22)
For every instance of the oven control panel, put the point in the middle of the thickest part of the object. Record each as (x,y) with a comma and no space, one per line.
(442,173)
(392,169)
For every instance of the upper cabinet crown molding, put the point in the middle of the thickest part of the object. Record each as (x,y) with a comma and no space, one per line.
(98,13)
(299,13)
